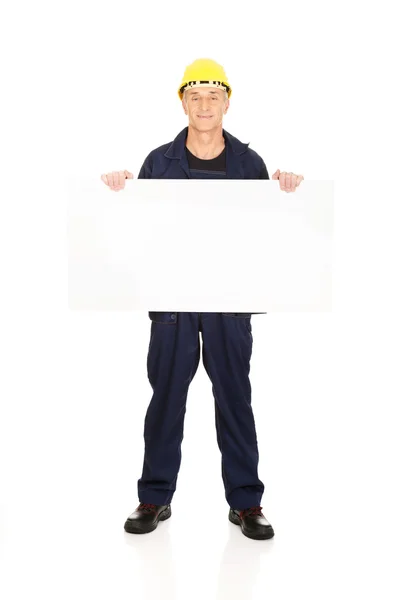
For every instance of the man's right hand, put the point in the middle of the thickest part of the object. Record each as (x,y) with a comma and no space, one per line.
(116,179)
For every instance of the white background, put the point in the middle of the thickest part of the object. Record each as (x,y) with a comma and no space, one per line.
(92,87)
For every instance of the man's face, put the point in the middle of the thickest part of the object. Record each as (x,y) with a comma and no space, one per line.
(206,102)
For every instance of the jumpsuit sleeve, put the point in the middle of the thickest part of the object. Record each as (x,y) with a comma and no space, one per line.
(145,170)
(263,172)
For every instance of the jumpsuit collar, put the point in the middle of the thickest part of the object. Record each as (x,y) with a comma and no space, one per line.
(234,149)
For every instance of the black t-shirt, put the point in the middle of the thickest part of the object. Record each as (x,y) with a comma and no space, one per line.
(200,168)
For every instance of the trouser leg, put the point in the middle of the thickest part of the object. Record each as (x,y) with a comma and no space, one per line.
(227,349)
(173,359)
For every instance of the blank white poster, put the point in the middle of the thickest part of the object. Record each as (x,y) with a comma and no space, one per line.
(200,245)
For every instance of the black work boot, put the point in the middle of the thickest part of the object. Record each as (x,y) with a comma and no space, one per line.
(253,523)
(145,518)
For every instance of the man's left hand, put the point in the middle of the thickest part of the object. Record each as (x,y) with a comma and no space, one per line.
(287,181)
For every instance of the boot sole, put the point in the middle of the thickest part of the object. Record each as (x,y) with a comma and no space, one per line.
(254,536)
(132,527)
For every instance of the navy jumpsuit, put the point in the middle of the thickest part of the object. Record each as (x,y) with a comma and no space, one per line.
(174,355)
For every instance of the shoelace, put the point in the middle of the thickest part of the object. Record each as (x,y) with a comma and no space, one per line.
(254,511)
(148,507)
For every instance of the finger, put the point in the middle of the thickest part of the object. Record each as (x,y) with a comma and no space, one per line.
(115,178)
(104,178)
(292,182)
(121,182)
(287,181)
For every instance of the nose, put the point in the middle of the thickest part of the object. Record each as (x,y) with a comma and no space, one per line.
(204,103)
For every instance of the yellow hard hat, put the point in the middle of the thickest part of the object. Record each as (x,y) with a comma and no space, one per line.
(204,72)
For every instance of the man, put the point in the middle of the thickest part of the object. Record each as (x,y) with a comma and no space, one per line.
(202,150)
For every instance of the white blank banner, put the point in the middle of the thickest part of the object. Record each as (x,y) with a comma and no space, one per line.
(200,246)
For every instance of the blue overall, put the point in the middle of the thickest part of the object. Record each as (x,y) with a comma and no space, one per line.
(174,355)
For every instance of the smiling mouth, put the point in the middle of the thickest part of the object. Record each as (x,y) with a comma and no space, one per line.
(201,117)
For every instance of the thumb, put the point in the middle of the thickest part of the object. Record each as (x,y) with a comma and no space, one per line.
(128,175)
(276,174)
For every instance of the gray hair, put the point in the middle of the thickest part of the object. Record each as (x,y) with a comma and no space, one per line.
(224,91)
